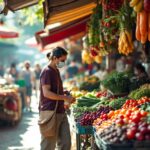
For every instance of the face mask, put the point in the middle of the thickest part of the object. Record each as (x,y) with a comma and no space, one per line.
(60,64)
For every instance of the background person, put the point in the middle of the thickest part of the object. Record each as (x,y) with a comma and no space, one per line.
(29,79)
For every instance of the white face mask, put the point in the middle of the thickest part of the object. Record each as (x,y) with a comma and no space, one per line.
(60,64)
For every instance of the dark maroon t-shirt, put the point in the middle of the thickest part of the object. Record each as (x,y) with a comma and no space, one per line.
(50,76)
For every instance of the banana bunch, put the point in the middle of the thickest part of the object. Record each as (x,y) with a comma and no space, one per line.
(98,59)
(125,44)
(86,57)
(137,5)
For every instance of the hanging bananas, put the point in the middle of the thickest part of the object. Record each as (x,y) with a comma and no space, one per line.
(125,44)
(137,5)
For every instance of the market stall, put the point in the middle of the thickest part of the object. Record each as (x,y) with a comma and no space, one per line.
(10,103)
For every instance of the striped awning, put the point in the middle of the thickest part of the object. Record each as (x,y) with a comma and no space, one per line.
(63,12)
(56,34)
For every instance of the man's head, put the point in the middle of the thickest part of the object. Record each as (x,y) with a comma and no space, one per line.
(27,64)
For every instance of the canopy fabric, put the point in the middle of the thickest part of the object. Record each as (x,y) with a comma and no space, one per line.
(61,32)
(19,4)
(7,33)
(69,11)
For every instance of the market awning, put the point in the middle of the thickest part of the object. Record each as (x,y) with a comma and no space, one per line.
(44,38)
(7,33)
(63,12)
(14,5)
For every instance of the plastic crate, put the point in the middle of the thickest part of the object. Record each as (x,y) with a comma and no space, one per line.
(143,145)
(102,145)
(84,129)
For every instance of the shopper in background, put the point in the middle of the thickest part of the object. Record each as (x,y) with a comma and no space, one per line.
(139,71)
(72,69)
(51,92)
(121,64)
(29,79)
(37,71)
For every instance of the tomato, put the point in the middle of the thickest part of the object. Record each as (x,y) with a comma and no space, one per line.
(143,113)
(120,121)
(130,134)
(128,113)
(135,118)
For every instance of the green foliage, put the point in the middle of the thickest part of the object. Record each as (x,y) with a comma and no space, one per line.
(137,94)
(117,103)
(32,15)
(117,82)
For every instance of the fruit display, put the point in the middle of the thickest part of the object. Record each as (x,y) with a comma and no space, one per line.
(88,118)
(78,111)
(125,124)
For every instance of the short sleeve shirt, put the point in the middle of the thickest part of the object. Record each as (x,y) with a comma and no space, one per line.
(50,76)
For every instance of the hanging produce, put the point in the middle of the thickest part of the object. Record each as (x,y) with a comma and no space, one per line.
(112,4)
(125,43)
(94,30)
(86,57)
(147,5)
(137,5)
(143,26)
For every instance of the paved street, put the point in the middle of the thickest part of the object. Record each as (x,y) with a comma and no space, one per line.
(24,136)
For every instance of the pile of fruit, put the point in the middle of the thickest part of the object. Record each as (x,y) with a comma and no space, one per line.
(88,118)
(129,122)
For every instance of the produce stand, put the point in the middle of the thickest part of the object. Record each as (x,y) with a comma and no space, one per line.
(112,120)
(81,130)
(102,145)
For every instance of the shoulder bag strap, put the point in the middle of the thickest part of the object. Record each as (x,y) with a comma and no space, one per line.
(57,93)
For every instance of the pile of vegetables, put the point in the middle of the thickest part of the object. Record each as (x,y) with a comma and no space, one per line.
(117,82)
(142,7)
(142,91)
(87,101)
(143,26)
(117,103)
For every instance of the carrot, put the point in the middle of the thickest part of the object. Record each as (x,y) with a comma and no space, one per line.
(137,32)
(149,26)
(143,26)
(144,38)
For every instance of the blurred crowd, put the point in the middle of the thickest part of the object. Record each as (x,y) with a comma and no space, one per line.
(26,76)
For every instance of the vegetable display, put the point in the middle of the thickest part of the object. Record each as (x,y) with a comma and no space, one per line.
(142,91)
(117,103)
(117,82)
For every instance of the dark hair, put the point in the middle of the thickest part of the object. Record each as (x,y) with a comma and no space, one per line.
(57,52)
(140,67)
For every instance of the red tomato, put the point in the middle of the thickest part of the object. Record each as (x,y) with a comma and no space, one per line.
(130,134)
